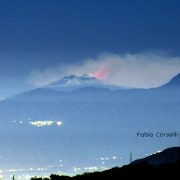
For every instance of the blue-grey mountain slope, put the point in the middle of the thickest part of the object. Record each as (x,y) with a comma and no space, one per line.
(96,120)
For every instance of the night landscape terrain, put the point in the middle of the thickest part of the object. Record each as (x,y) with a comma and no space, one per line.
(73,105)
(89,89)
(165,164)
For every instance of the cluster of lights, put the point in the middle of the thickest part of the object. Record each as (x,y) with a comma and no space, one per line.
(153,153)
(23,177)
(75,169)
(108,158)
(26,176)
(91,169)
(41,123)
(22,170)
(19,122)
(45,123)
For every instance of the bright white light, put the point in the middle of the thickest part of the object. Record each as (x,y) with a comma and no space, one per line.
(91,168)
(114,157)
(41,123)
(59,123)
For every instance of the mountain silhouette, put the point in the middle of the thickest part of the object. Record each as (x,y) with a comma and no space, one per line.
(169,155)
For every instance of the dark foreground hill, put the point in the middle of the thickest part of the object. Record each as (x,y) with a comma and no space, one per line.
(140,169)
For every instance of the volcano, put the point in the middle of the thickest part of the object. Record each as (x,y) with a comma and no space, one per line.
(79,120)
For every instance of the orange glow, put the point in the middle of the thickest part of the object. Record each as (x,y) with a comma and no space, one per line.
(101,73)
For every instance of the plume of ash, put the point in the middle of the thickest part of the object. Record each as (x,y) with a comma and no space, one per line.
(143,70)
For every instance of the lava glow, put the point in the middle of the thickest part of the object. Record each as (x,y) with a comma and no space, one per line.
(101,73)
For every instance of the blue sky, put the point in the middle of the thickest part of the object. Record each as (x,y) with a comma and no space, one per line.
(37,35)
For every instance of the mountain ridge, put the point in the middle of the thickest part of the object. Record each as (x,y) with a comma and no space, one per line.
(73,82)
(173,82)
(169,155)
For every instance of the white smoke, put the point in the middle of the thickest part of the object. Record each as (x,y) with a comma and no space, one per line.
(143,70)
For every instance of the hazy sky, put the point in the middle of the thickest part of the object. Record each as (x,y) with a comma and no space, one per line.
(38,35)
